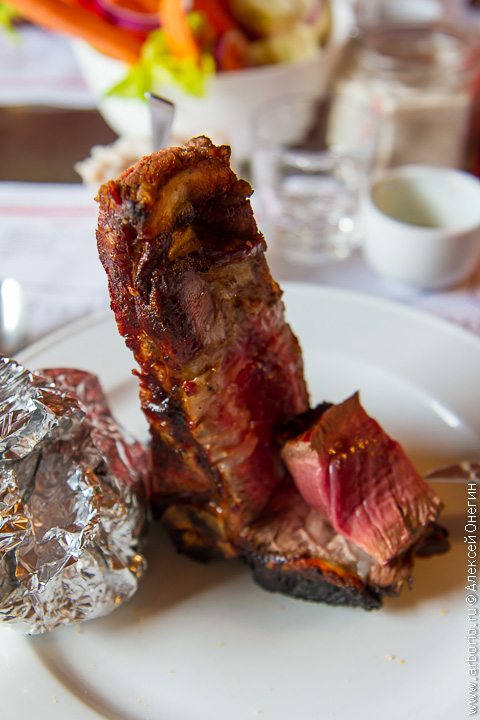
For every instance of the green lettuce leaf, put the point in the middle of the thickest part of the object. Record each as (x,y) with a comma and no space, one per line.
(159,68)
(8,15)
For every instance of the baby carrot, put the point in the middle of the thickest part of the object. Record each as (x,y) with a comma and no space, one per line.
(178,35)
(75,20)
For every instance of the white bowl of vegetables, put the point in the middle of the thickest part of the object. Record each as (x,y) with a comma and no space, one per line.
(218,89)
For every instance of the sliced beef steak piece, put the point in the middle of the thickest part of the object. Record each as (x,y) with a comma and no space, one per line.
(349,469)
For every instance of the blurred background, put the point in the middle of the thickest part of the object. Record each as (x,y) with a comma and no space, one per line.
(315,97)
(415,62)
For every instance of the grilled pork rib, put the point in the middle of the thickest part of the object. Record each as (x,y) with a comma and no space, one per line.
(220,373)
(219,368)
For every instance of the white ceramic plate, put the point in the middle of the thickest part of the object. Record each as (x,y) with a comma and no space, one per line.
(203,642)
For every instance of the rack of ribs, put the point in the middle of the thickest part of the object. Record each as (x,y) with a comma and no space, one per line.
(221,375)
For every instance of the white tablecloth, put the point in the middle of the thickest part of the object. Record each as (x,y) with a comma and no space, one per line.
(47,242)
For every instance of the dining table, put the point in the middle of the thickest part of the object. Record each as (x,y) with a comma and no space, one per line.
(49,122)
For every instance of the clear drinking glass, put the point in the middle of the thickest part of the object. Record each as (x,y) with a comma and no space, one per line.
(307,182)
(418,61)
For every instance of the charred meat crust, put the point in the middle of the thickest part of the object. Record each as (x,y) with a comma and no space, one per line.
(309,583)
(434,542)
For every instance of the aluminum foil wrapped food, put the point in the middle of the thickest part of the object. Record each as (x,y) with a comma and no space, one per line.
(73,514)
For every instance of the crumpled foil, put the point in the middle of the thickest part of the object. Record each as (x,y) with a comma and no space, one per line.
(72,508)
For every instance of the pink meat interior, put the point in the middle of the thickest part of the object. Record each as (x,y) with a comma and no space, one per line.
(349,469)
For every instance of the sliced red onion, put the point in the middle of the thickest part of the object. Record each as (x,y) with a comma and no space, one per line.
(127,19)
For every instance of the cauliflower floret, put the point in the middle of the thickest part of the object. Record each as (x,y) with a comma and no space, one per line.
(299,43)
(266,18)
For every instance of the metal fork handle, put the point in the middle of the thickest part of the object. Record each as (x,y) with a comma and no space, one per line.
(162,112)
